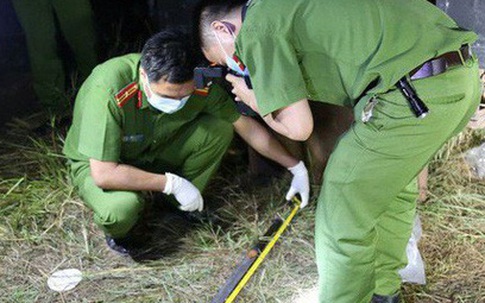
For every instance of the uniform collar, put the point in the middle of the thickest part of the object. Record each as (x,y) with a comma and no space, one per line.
(143,96)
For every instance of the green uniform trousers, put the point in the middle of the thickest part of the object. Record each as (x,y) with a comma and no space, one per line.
(195,153)
(38,19)
(366,207)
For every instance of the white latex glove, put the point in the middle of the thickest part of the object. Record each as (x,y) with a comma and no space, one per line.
(300,184)
(185,192)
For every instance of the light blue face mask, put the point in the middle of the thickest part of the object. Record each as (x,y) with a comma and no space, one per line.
(231,63)
(166,105)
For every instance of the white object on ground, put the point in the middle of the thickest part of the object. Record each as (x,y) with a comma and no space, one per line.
(414,271)
(475,158)
(307,296)
(64,280)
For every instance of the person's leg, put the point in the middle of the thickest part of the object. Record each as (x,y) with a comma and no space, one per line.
(37,20)
(76,22)
(197,150)
(394,229)
(115,212)
(368,170)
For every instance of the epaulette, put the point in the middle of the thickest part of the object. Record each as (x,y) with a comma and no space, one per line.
(239,62)
(126,94)
(204,92)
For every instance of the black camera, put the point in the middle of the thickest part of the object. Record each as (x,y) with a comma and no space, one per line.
(205,76)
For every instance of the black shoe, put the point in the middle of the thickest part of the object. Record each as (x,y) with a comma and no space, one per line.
(386,299)
(118,245)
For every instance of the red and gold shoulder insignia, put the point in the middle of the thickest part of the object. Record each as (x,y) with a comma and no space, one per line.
(239,62)
(126,94)
(202,92)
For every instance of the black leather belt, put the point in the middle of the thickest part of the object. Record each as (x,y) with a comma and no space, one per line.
(441,63)
(430,68)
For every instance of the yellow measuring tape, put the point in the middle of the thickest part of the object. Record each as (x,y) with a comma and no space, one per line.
(263,254)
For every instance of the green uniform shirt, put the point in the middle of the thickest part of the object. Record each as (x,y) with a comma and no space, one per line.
(131,133)
(331,51)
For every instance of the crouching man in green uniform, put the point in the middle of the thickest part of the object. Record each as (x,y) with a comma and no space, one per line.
(139,125)
(354,53)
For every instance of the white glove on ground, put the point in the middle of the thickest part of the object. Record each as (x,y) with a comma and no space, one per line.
(185,192)
(300,183)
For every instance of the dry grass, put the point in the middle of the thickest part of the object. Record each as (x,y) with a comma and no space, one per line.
(453,219)
(45,227)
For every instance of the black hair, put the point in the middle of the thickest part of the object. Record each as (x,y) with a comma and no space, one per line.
(208,11)
(171,55)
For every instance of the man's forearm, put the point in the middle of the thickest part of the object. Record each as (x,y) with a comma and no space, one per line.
(272,149)
(259,138)
(114,176)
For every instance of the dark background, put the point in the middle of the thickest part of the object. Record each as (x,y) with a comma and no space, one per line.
(469,14)
(122,27)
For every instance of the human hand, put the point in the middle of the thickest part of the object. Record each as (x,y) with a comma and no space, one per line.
(300,184)
(185,192)
(243,92)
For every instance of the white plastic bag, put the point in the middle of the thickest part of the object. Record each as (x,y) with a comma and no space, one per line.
(64,280)
(414,271)
(476,159)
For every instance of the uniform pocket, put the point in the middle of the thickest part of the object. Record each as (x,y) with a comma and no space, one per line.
(390,110)
(133,146)
(450,99)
